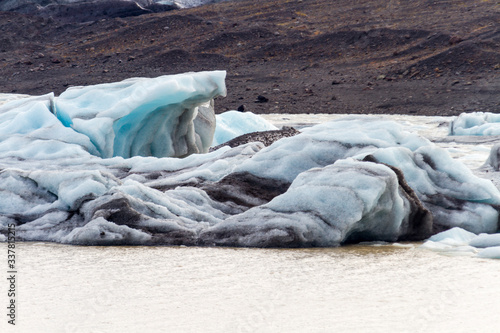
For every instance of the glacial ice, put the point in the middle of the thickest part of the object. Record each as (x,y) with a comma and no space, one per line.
(350,180)
(494,157)
(145,117)
(454,236)
(490,253)
(29,130)
(347,201)
(323,144)
(476,123)
(164,116)
(485,240)
(232,124)
(454,195)
(457,241)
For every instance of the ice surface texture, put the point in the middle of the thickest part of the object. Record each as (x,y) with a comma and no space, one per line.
(347,201)
(446,187)
(145,117)
(344,181)
(457,241)
(480,124)
(476,123)
(165,116)
(232,124)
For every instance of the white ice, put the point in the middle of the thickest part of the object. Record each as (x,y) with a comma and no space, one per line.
(476,123)
(325,143)
(146,117)
(231,124)
(343,202)
(457,241)
(55,183)
(164,116)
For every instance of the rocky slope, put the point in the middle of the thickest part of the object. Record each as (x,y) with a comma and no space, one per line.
(372,56)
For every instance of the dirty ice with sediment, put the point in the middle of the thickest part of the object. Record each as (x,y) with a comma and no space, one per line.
(128,163)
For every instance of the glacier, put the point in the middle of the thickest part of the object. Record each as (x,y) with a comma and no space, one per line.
(108,165)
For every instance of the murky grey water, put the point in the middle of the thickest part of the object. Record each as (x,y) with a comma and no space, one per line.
(182,289)
(178,289)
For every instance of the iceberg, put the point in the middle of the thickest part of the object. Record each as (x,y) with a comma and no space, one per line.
(494,157)
(490,253)
(454,195)
(476,123)
(349,201)
(485,240)
(101,165)
(145,117)
(458,241)
(164,116)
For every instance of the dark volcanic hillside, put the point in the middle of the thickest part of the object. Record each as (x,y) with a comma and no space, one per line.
(318,56)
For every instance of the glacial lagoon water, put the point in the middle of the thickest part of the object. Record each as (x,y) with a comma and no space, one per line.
(360,288)
(386,288)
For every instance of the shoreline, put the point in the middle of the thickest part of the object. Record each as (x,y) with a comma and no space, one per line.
(417,58)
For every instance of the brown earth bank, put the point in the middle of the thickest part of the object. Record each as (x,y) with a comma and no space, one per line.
(312,56)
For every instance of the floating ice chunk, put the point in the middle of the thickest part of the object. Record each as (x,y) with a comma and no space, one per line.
(102,232)
(448,249)
(313,189)
(490,252)
(485,240)
(459,241)
(476,123)
(454,241)
(454,236)
(324,144)
(445,186)
(494,157)
(403,245)
(454,195)
(146,117)
(348,201)
(436,246)
(231,124)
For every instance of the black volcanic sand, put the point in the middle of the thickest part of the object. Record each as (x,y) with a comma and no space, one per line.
(316,56)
